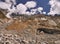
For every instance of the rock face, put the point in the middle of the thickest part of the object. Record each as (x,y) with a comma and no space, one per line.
(2,14)
(35,22)
(36,29)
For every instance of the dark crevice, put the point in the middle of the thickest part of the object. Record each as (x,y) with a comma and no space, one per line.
(48,31)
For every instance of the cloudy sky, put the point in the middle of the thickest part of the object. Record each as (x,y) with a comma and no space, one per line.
(40,3)
(47,7)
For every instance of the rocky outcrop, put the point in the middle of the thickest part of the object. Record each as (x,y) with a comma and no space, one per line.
(36,29)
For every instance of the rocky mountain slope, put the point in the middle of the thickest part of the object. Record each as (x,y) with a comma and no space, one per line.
(35,29)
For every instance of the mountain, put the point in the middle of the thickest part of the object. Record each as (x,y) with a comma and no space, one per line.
(34,29)
(36,22)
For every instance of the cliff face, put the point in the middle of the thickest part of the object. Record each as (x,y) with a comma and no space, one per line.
(2,14)
(35,29)
(35,22)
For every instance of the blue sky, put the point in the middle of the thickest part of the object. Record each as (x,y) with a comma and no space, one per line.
(51,7)
(40,3)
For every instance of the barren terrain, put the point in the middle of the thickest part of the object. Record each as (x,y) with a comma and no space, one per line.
(24,29)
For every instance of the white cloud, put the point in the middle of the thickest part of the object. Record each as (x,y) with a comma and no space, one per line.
(27,12)
(4,5)
(21,8)
(11,1)
(31,4)
(40,9)
(7,1)
(7,4)
(55,7)
(44,12)
(33,11)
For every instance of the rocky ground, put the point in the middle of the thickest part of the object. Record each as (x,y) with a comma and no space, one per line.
(36,29)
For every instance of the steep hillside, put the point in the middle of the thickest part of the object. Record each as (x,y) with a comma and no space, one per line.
(35,29)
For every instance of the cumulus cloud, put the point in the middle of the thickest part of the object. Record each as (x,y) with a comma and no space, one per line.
(21,8)
(33,11)
(44,12)
(7,1)
(31,4)
(27,12)
(7,4)
(40,9)
(55,7)
(4,5)
(11,1)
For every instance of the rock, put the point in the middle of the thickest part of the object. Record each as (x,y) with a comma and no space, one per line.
(33,29)
(51,22)
(43,19)
(43,43)
(2,14)
(57,42)
(48,31)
